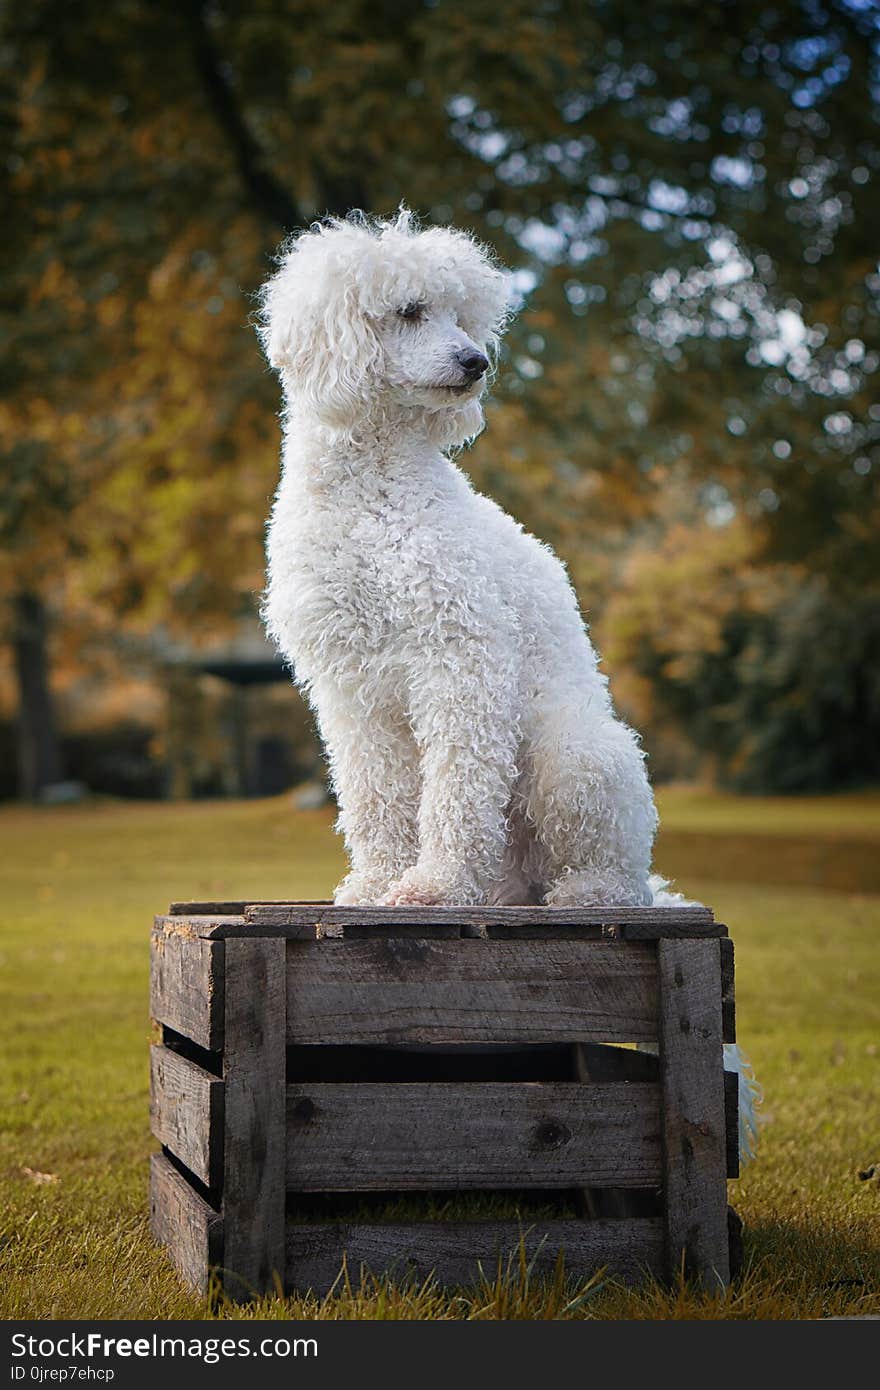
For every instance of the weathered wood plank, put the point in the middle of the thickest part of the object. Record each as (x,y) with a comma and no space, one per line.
(186,985)
(217,927)
(658,930)
(628,1064)
(679,920)
(230,921)
(254,1076)
(694,1134)
(207,909)
(692,919)
(190,1230)
(471,991)
(728,992)
(589,1200)
(453,1250)
(306,922)
(604,1063)
(186,1113)
(436,1136)
(592,931)
(197,908)
(210,926)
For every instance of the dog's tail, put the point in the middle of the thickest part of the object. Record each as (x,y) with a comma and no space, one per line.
(662,894)
(750,1097)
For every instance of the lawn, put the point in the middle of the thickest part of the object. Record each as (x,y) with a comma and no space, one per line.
(795,879)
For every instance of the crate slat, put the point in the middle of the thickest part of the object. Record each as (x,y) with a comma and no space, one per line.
(186,984)
(672,921)
(452,1250)
(694,1129)
(439,1136)
(304,921)
(182,1221)
(186,1113)
(598,1063)
(195,907)
(471,991)
(728,991)
(254,1077)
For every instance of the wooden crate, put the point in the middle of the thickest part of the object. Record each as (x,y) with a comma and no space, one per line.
(311,1049)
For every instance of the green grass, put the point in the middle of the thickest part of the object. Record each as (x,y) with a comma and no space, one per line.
(847,814)
(80,887)
(824,842)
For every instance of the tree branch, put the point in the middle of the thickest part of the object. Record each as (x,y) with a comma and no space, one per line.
(269,196)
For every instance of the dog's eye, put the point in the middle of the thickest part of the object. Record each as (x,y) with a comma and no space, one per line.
(412,313)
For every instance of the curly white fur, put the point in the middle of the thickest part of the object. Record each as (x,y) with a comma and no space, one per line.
(472,742)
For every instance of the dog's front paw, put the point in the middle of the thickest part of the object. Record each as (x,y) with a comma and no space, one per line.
(403,894)
(418,889)
(356,891)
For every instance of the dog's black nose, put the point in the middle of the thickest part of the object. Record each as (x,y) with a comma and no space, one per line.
(473,362)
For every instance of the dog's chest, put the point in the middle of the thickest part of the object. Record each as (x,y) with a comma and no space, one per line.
(359,589)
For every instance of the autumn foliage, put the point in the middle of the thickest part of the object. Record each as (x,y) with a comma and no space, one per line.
(687,407)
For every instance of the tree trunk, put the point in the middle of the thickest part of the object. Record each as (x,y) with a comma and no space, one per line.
(39,753)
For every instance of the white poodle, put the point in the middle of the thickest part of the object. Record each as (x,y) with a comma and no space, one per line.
(472,742)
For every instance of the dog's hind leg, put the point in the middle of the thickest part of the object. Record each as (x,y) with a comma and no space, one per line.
(590,802)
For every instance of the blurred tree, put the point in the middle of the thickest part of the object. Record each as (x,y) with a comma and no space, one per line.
(774,675)
(687,192)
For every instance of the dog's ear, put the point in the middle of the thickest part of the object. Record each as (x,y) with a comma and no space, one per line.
(313,330)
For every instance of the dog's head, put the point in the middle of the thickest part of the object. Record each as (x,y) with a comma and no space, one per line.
(365,315)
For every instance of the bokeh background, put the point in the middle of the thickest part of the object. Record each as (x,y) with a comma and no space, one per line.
(687,407)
